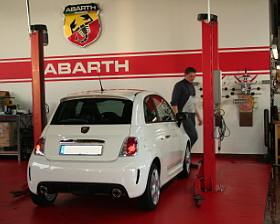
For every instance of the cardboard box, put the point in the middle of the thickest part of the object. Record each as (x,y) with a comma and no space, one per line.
(4,99)
(4,94)
(8,134)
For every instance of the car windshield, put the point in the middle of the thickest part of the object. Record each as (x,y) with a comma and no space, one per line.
(93,111)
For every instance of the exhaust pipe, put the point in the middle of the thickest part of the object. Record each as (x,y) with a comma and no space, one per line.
(116,192)
(43,190)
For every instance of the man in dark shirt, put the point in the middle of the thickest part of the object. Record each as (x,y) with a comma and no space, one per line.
(183,100)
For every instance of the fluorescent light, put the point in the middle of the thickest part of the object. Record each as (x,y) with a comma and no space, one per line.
(278,67)
(274,51)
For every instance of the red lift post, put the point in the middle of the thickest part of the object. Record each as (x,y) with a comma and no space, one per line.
(210,63)
(39,39)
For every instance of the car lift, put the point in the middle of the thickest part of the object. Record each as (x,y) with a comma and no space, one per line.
(39,39)
(206,179)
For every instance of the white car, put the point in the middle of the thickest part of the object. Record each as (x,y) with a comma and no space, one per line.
(118,142)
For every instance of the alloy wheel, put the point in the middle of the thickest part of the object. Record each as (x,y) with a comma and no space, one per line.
(155,186)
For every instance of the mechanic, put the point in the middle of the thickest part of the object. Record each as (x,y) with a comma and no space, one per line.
(183,100)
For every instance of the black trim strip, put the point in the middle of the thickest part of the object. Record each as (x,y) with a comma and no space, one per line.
(138,176)
(82,141)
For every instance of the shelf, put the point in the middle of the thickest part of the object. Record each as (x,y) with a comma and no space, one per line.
(9,153)
(23,123)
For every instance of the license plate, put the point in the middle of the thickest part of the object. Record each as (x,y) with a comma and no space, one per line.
(87,150)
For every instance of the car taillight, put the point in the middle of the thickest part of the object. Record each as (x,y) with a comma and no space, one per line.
(40,147)
(129,147)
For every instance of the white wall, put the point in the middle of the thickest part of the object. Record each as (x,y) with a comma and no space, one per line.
(139,26)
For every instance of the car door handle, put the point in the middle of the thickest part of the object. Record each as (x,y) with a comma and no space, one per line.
(164,137)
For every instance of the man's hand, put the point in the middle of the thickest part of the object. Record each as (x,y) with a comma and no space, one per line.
(199,121)
(175,109)
(198,116)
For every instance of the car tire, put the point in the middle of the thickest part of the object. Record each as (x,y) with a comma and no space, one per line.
(43,199)
(150,198)
(187,162)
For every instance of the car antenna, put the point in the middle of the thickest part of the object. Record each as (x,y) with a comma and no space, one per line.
(100,83)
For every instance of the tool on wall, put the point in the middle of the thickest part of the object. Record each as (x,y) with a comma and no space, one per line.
(244,92)
(275,75)
(221,129)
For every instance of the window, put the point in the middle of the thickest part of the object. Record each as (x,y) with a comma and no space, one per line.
(165,112)
(150,110)
(93,111)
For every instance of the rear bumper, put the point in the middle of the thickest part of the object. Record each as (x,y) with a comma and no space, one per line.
(81,188)
(130,174)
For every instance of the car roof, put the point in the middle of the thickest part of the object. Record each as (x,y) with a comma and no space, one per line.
(107,93)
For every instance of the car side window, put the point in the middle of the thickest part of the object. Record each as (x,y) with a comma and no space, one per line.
(164,111)
(150,111)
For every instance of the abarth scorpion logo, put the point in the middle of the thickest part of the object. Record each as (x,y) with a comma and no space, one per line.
(82,23)
(84,129)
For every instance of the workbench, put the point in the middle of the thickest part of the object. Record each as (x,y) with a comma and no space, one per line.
(16,129)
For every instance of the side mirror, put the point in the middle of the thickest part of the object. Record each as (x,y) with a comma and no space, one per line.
(180,117)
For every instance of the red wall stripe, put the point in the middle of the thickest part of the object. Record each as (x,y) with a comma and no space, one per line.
(147,52)
(148,63)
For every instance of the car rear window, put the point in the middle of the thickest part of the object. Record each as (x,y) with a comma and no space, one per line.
(93,111)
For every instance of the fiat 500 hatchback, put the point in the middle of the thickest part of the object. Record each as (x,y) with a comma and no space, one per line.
(118,142)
